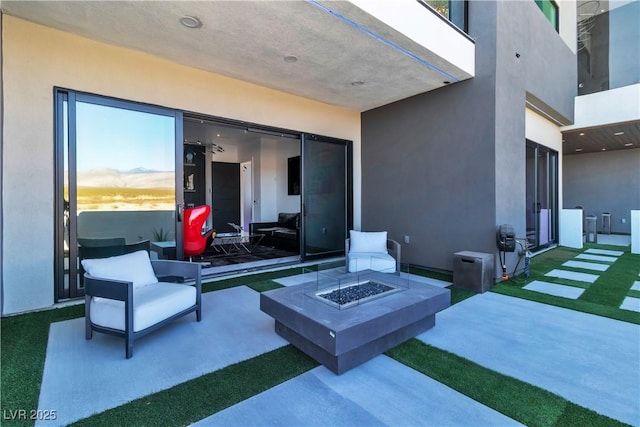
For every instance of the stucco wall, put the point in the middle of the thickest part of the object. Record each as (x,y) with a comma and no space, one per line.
(448,166)
(604,182)
(37,58)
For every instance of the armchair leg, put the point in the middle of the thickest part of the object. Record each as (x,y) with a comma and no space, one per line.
(88,330)
(199,314)
(128,342)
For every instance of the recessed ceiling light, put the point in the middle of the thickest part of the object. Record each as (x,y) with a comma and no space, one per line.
(578,149)
(357,83)
(290,58)
(618,133)
(581,134)
(604,149)
(191,21)
(628,144)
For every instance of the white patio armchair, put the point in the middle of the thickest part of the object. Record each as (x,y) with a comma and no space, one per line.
(124,296)
(371,250)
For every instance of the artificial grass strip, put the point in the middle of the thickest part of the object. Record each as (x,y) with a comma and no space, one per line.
(249,279)
(194,400)
(505,288)
(523,402)
(459,294)
(554,258)
(264,285)
(614,284)
(421,271)
(602,298)
(23,346)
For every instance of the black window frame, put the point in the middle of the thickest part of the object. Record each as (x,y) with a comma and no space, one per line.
(556,24)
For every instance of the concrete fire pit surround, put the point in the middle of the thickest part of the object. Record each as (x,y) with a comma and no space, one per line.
(342,339)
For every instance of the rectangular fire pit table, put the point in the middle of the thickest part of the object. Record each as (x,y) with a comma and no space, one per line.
(343,338)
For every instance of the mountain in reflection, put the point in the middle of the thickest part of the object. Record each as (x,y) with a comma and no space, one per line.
(134,178)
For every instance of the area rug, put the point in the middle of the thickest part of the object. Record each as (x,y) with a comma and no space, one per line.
(259,253)
(83,377)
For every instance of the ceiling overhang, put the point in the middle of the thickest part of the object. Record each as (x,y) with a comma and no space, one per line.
(597,139)
(330,51)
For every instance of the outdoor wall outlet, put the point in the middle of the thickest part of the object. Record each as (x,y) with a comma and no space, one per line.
(623,221)
(407,239)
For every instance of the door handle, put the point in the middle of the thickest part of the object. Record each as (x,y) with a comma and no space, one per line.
(179,212)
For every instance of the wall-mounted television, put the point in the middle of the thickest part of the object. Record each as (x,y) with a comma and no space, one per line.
(293,175)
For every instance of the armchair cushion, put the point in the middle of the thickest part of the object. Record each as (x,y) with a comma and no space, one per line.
(134,267)
(374,242)
(153,303)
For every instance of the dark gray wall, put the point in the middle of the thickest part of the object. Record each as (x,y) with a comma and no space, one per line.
(604,182)
(448,166)
(549,65)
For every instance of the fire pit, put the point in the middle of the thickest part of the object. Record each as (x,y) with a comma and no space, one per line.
(352,294)
(382,312)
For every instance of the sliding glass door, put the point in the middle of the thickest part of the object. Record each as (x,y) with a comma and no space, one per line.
(542,200)
(326,190)
(116,179)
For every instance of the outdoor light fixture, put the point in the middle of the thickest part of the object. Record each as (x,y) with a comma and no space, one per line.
(191,21)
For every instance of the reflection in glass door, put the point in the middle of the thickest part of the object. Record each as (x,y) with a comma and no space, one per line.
(541,197)
(117,184)
(326,191)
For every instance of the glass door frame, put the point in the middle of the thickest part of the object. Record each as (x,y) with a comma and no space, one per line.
(304,138)
(67,122)
(307,138)
(549,180)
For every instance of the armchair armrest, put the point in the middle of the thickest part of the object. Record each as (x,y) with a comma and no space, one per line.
(191,270)
(111,289)
(107,288)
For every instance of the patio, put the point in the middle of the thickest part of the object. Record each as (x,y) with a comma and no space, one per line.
(491,359)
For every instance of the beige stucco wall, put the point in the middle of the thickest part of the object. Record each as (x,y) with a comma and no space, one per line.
(36,59)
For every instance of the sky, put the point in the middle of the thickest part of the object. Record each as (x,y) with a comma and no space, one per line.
(122,139)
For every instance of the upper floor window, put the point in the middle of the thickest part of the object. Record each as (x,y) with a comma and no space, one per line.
(453,10)
(550,10)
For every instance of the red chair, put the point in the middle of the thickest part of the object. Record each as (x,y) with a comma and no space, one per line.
(194,241)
